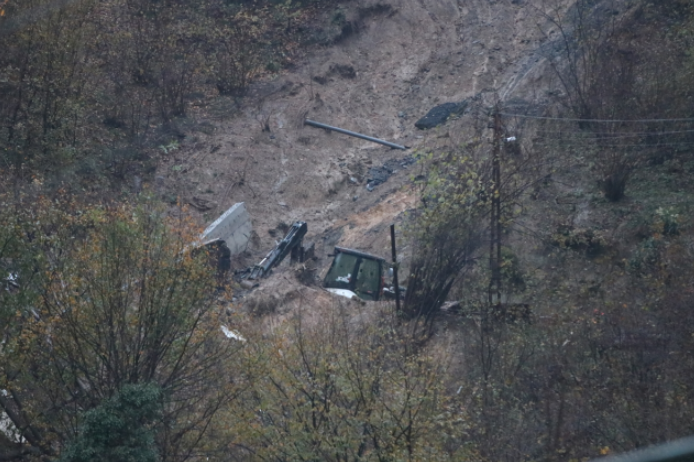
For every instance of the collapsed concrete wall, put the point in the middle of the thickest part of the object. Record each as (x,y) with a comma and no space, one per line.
(233,227)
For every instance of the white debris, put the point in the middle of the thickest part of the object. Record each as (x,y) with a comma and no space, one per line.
(510,139)
(7,427)
(233,334)
(11,281)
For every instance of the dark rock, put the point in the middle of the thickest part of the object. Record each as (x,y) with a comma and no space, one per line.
(343,70)
(379,175)
(202,204)
(439,114)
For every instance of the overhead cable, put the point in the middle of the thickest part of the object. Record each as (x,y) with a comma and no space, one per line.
(604,121)
(614,135)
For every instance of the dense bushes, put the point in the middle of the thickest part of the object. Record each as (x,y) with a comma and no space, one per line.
(113,347)
(340,390)
(104,299)
(610,65)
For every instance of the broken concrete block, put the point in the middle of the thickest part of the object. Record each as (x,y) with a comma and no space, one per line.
(233,227)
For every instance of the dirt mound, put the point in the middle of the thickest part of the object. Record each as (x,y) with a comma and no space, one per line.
(283,295)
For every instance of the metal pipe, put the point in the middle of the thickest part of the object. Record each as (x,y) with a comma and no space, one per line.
(313,123)
(674,451)
(395,269)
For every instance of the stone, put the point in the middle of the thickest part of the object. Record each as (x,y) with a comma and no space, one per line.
(440,114)
(202,204)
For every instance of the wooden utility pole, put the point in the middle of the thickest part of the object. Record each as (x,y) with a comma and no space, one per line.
(495,225)
(395,269)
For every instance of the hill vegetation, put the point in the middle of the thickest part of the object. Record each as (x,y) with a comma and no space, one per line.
(570,339)
(89,88)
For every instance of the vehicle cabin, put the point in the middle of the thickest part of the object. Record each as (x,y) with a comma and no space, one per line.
(356,273)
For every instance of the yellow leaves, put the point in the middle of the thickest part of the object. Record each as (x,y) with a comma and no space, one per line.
(331,381)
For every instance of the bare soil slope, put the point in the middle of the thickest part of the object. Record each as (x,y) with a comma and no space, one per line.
(402,58)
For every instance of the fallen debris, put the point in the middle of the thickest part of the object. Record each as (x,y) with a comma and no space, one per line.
(233,227)
(233,334)
(440,114)
(292,243)
(379,175)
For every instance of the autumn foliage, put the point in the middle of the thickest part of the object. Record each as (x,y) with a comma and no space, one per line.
(84,84)
(107,298)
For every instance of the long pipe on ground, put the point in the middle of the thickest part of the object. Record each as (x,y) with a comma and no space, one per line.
(313,123)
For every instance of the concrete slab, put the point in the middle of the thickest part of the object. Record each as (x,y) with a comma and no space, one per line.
(233,227)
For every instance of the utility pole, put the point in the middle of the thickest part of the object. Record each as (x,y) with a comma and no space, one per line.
(395,269)
(495,225)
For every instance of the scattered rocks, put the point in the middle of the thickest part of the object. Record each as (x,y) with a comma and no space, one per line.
(345,71)
(379,175)
(201,204)
(439,114)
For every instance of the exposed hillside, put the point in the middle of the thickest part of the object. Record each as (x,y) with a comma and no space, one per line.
(604,275)
(566,337)
(402,59)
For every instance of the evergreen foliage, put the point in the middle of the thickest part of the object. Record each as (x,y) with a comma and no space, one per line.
(118,429)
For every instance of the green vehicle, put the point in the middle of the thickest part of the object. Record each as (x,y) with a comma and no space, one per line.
(356,274)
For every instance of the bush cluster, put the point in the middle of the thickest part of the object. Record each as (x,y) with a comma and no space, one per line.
(83,84)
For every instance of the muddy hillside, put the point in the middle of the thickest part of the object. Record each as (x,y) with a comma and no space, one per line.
(394,62)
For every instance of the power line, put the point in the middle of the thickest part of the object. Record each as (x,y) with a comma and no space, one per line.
(638,145)
(605,121)
(613,135)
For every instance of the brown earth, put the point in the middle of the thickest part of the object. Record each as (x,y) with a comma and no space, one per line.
(405,57)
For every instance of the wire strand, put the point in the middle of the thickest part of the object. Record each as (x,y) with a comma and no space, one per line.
(613,135)
(606,121)
(639,145)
